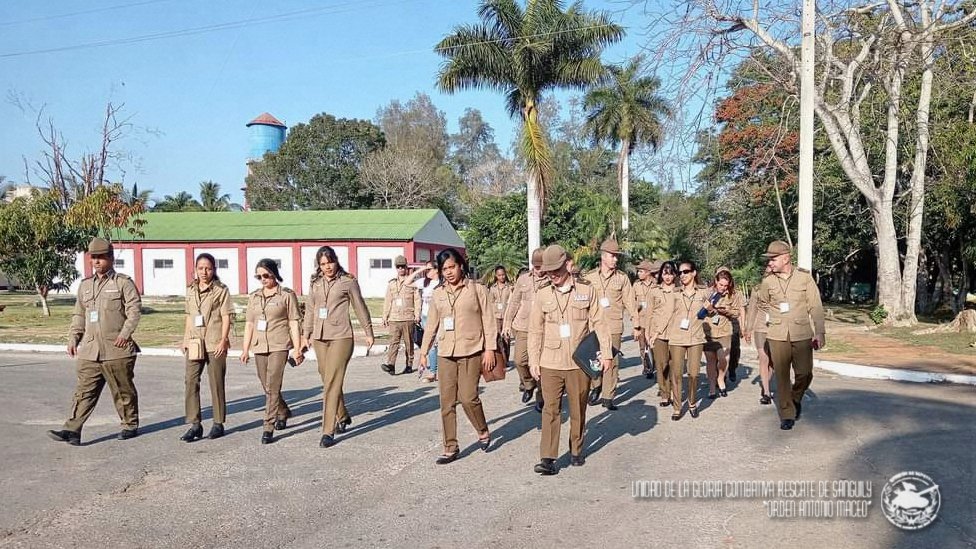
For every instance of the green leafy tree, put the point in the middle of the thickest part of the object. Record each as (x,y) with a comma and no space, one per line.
(179,202)
(212,200)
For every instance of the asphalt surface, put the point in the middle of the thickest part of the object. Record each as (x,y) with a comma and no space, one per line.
(379,486)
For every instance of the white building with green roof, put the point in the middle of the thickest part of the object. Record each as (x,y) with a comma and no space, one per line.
(366,242)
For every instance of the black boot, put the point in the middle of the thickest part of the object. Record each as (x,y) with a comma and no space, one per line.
(216,431)
(195,432)
(126,434)
(594,396)
(267,437)
(71,437)
(546,467)
(609,405)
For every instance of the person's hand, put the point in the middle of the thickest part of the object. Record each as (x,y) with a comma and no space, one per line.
(536,372)
(183,348)
(748,337)
(245,356)
(637,333)
(818,341)
(298,355)
(386,323)
(423,362)
(222,348)
(72,350)
(650,341)
(121,342)
(507,333)
(305,343)
(488,361)
(606,363)
(369,343)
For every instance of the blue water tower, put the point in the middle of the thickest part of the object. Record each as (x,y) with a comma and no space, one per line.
(267,134)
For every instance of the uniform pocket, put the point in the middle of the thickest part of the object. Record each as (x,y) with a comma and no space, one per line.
(552,343)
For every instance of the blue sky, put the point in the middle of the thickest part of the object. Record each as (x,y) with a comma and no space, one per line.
(195,92)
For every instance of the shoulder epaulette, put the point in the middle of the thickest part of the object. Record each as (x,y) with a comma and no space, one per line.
(584,281)
(287,290)
(349,275)
(127,277)
(802,270)
(392,280)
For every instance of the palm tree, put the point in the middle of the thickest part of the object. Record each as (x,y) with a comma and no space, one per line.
(212,201)
(180,202)
(627,111)
(135,196)
(523,53)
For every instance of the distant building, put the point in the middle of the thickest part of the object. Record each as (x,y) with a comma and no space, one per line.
(21,191)
(366,242)
(267,133)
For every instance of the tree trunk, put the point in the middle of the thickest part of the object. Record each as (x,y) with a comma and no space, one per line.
(945,281)
(42,293)
(623,175)
(960,301)
(889,271)
(924,302)
(534,211)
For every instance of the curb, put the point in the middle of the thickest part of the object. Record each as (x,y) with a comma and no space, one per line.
(892,374)
(358,350)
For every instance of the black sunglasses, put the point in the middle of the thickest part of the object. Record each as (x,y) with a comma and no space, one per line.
(686,271)
(263,276)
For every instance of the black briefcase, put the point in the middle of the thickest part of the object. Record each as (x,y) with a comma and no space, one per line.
(585,356)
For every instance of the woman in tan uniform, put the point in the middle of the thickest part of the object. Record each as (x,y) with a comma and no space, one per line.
(272,328)
(686,335)
(657,298)
(756,327)
(328,328)
(205,342)
(642,288)
(718,331)
(462,320)
(499,294)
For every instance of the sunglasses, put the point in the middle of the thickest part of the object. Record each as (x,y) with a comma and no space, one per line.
(686,271)
(264,276)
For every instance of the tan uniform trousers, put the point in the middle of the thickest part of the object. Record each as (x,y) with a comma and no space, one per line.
(685,357)
(576,385)
(191,396)
(608,382)
(92,377)
(662,362)
(459,383)
(799,356)
(271,372)
(332,356)
(521,359)
(401,332)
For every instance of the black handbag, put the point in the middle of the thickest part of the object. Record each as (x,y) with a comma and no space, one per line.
(585,356)
(418,335)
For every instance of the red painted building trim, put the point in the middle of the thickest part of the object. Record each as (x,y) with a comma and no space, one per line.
(242,268)
(190,266)
(296,268)
(137,266)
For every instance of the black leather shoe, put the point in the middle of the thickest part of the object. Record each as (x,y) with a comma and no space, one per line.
(786,424)
(444,459)
(408,370)
(343,425)
(577,461)
(281,424)
(796,404)
(327,441)
(693,411)
(216,431)
(546,467)
(267,437)
(676,416)
(594,396)
(195,432)
(712,396)
(71,437)
(388,368)
(723,393)
(764,399)
(484,443)
(539,405)
(126,434)
(665,403)
(527,396)
(609,405)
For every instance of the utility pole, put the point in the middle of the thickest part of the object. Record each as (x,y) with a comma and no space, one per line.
(804,237)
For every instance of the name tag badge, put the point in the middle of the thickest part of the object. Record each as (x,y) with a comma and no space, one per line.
(784,307)
(501,306)
(685,324)
(643,305)
(93,316)
(716,319)
(564,331)
(582,297)
(262,325)
(448,323)
(198,321)
(605,302)
(767,318)
(398,302)
(323,313)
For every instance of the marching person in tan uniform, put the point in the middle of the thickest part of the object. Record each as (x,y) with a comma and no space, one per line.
(642,288)
(516,326)
(756,327)
(718,330)
(657,300)
(682,315)
(499,294)
(796,328)
(462,321)
(206,340)
(329,331)
(272,328)
(564,312)
(401,314)
(614,295)
(106,314)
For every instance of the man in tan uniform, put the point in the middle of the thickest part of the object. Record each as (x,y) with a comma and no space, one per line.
(792,299)
(516,325)
(646,280)
(401,313)
(563,313)
(614,294)
(106,314)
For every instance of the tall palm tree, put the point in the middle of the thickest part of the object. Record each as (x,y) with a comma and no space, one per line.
(180,202)
(523,53)
(627,112)
(212,201)
(135,196)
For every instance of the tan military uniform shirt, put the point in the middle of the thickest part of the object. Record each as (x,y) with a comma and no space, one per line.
(498,296)
(106,309)
(400,304)
(205,310)
(642,293)
(461,319)
(680,307)
(558,322)
(657,300)
(792,303)
(520,303)
(757,318)
(327,309)
(278,310)
(719,325)
(614,294)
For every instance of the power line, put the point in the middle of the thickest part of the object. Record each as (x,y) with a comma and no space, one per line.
(84,12)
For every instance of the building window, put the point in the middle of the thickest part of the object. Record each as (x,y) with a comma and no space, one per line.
(162,264)
(119,263)
(380,263)
(423,254)
(222,264)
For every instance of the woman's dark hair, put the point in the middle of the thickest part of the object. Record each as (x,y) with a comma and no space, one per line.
(328,253)
(213,264)
(495,271)
(433,265)
(271,266)
(728,276)
(694,267)
(667,266)
(451,253)
(521,271)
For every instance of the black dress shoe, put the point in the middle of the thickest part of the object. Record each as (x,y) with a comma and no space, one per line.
(267,437)
(665,403)
(712,396)
(343,425)
(594,396)
(327,441)
(796,404)
(193,433)
(676,416)
(577,461)
(444,459)
(723,393)
(764,399)
(216,431)
(126,434)
(71,437)
(786,424)
(388,368)
(539,405)
(609,405)
(546,467)
(485,443)
(527,396)
(281,424)
(693,411)
(408,370)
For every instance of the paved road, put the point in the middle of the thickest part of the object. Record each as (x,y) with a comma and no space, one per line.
(379,486)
